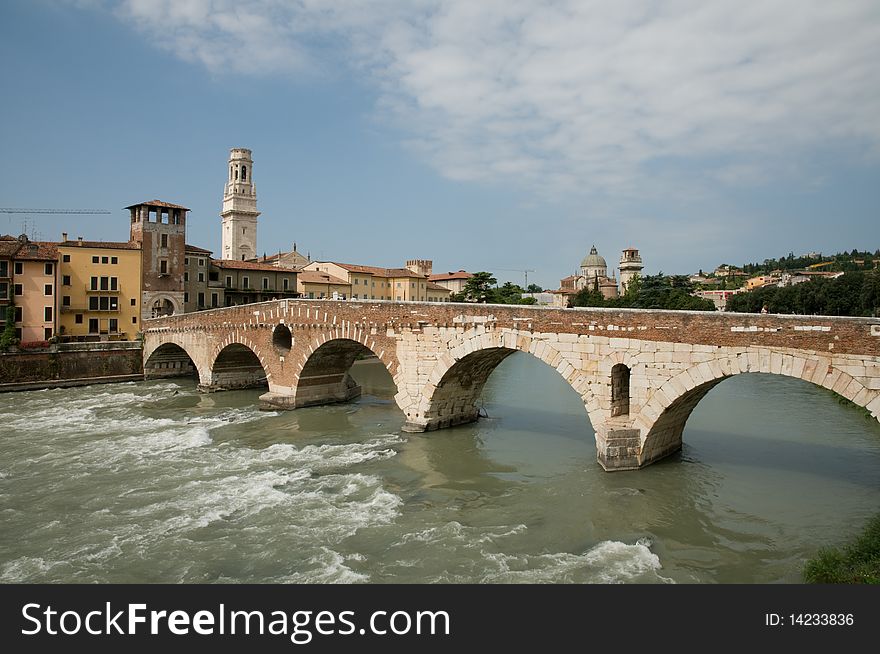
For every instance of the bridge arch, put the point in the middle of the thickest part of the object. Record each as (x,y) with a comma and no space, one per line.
(323,375)
(457,379)
(663,417)
(238,363)
(172,357)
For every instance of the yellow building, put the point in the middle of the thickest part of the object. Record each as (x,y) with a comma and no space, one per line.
(99,290)
(315,284)
(372,283)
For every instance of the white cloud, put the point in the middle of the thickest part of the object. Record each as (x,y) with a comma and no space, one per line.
(569,94)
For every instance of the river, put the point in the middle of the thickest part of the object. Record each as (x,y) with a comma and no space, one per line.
(153,482)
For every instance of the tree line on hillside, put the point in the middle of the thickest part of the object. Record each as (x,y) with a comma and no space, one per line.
(840,262)
(649,292)
(851,294)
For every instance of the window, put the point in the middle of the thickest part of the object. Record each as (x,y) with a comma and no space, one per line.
(4,290)
(65,280)
(133,302)
(104,304)
(265,283)
(114,260)
(186,261)
(214,299)
(285,283)
(93,303)
(47,333)
(245,282)
(105,259)
(95,259)
(17,314)
(355,296)
(134,320)
(186,276)
(114,283)
(244,173)
(228,281)
(114,325)
(356,281)
(47,314)
(163,240)
(398,298)
(105,283)
(48,269)
(311,295)
(47,289)
(78,319)
(201,301)
(186,297)
(18,289)
(94,284)
(163,267)
(4,269)
(398,286)
(65,301)
(66,258)
(114,304)
(93,325)
(201,276)
(18,268)
(202,263)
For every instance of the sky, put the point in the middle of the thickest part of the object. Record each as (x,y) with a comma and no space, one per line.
(500,135)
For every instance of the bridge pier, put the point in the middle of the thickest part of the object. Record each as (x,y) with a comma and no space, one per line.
(312,391)
(447,418)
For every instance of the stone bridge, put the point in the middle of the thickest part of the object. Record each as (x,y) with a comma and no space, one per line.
(640,373)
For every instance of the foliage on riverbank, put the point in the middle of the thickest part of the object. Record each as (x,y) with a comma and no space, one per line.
(856,563)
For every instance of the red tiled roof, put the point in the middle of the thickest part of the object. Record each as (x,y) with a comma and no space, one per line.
(193,248)
(232,264)
(113,245)
(158,203)
(379,272)
(318,277)
(436,287)
(461,274)
(37,251)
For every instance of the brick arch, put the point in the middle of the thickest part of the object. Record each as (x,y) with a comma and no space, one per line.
(153,343)
(239,340)
(475,357)
(663,417)
(330,355)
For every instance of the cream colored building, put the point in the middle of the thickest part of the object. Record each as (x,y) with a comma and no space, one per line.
(453,281)
(316,284)
(35,288)
(373,283)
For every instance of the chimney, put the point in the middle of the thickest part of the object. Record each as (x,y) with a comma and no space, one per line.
(79,240)
(64,237)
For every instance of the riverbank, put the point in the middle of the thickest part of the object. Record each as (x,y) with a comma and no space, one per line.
(856,563)
(71,364)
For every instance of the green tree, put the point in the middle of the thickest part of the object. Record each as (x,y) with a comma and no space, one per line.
(7,336)
(534,288)
(478,287)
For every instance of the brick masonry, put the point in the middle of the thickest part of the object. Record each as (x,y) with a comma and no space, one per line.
(441,355)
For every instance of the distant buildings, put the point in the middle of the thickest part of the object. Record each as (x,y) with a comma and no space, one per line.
(453,281)
(593,275)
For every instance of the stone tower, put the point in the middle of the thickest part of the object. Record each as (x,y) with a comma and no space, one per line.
(630,266)
(160,230)
(420,266)
(239,215)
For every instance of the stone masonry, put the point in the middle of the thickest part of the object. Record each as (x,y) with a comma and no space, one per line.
(440,356)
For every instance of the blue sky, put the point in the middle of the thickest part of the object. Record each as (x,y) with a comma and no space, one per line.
(500,134)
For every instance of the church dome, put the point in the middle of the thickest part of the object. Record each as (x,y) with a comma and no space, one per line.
(593,260)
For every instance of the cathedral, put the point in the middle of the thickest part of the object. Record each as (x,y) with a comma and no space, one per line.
(593,274)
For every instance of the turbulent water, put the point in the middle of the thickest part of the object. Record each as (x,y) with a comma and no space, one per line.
(154,482)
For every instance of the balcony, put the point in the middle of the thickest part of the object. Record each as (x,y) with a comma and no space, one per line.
(114,291)
(81,309)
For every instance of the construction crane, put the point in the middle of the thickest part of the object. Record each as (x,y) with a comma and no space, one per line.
(524,271)
(66,211)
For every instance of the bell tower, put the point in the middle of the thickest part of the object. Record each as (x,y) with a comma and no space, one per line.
(239,215)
